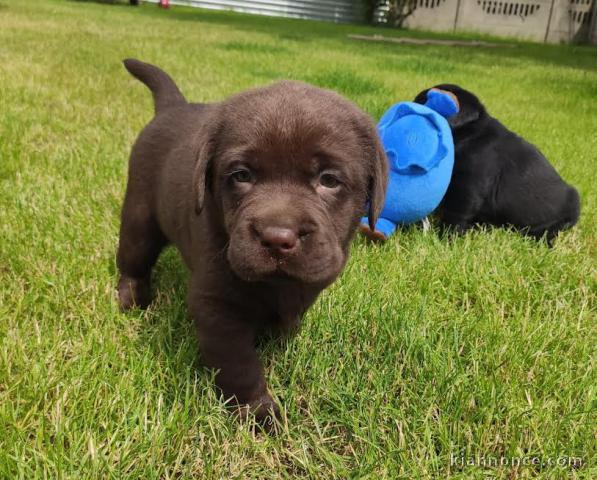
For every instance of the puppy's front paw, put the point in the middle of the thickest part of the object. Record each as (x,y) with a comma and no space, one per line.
(265,410)
(133,292)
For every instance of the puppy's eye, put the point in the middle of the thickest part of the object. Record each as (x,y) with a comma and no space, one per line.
(329,180)
(242,176)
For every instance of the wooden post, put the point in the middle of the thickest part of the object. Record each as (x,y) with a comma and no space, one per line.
(549,21)
(593,23)
(457,14)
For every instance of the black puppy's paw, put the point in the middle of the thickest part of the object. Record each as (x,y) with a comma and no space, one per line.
(133,292)
(451,231)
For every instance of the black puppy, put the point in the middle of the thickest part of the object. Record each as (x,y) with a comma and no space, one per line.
(501,179)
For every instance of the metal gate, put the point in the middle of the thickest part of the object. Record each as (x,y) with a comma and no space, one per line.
(343,11)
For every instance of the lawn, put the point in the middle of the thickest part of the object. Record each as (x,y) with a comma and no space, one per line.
(423,351)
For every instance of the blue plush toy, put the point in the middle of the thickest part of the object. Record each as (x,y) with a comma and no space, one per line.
(418,143)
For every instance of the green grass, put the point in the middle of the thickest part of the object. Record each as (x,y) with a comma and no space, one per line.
(423,349)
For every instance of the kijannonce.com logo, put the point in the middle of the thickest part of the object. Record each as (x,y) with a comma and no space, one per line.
(481,460)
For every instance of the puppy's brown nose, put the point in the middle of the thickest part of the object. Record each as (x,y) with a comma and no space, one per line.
(279,240)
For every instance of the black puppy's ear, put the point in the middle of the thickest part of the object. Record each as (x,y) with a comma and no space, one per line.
(421,97)
(470,107)
(204,152)
(378,179)
(467,113)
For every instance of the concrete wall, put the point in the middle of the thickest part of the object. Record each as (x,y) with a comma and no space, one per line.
(443,12)
(518,18)
(573,22)
(540,20)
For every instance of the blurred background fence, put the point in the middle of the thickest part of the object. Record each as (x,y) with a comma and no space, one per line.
(539,20)
(343,11)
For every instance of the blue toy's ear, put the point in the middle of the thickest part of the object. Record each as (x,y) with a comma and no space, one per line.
(443,102)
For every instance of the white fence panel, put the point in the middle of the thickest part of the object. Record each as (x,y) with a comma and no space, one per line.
(540,20)
(436,15)
(526,19)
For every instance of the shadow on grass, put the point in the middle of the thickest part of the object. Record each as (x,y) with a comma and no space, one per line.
(346,82)
(112,3)
(169,330)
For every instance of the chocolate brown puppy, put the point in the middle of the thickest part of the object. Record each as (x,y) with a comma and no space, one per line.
(261,194)
(501,179)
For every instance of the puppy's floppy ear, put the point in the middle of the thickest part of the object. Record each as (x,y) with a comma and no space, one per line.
(466,114)
(207,143)
(470,109)
(200,174)
(378,178)
(421,97)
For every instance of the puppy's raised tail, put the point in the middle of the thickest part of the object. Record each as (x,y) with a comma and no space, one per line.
(165,92)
